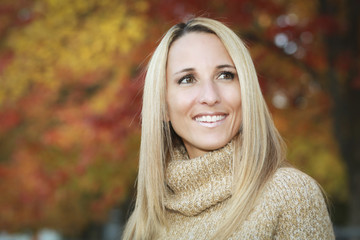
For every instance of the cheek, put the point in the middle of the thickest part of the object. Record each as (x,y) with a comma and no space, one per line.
(238,105)
(233,98)
(237,114)
(176,109)
(179,103)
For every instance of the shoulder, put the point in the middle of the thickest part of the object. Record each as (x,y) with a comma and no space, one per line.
(300,204)
(290,181)
(291,190)
(289,175)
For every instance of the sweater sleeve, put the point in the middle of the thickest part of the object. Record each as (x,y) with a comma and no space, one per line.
(302,210)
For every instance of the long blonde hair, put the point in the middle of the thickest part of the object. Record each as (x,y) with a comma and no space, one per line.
(258,149)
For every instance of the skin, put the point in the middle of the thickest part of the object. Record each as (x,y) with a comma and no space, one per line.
(203,93)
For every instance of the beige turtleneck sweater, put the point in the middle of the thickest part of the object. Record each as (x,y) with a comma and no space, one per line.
(290,207)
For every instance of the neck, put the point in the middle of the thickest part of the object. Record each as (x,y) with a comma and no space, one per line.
(198,183)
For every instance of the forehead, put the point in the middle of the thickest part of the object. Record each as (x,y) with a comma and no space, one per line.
(198,48)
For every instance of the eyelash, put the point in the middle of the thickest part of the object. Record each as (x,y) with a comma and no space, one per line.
(186,77)
(229,76)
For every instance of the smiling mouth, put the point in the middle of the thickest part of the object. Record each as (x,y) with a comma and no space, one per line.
(210,120)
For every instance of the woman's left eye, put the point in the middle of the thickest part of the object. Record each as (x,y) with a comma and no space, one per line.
(226,75)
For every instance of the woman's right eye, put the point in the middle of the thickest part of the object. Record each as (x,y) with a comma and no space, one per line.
(188,79)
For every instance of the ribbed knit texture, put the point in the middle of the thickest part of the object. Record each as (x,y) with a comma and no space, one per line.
(290,207)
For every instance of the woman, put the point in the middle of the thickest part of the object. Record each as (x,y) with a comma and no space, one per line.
(212,164)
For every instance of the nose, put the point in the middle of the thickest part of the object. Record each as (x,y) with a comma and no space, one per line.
(209,94)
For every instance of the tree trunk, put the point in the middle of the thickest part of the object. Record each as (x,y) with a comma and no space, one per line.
(346,98)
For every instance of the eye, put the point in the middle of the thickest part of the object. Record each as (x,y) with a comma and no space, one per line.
(226,75)
(188,79)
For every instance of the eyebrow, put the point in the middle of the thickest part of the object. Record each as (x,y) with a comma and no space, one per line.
(225,66)
(193,69)
(185,70)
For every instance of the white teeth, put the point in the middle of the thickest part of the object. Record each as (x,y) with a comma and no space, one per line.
(210,118)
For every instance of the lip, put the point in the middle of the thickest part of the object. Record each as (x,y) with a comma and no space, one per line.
(210,120)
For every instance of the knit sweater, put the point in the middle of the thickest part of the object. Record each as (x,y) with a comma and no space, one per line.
(291,205)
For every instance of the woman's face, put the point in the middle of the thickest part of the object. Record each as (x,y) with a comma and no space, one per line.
(203,93)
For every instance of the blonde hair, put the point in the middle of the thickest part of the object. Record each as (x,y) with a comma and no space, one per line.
(258,149)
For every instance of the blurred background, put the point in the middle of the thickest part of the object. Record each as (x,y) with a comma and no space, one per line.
(71,75)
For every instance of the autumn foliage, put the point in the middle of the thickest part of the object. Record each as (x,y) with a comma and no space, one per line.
(71,75)
(70,102)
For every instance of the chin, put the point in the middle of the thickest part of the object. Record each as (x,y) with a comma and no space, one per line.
(214,145)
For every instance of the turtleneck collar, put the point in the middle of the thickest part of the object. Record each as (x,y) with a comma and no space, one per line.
(199,183)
